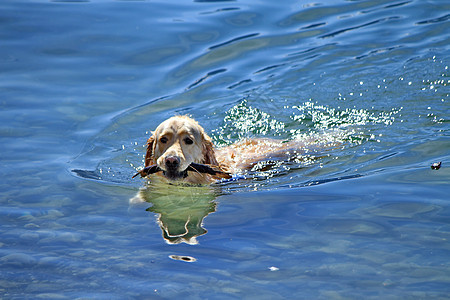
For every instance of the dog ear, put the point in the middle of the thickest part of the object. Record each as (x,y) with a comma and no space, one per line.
(149,155)
(209,156)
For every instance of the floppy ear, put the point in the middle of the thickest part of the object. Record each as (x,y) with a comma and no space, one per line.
(209,156)
(149,155)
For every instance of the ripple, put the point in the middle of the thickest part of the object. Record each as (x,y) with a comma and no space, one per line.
(338,32)
(247,36)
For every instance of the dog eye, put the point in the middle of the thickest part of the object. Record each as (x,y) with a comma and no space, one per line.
(188,141)
(163,140)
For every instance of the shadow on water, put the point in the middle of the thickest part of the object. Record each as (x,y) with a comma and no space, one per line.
(180,209)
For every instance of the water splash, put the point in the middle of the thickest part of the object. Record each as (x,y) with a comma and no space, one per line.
(346,124)
(243,120)
(323,117)
(326,133)
(308,120)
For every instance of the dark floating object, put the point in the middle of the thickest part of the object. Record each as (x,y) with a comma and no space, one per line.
(436,166)
(193,167)
(183,258)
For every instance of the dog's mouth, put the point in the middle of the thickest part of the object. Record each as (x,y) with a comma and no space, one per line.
(174,174)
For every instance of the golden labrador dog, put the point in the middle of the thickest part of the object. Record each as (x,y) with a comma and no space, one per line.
(180,150)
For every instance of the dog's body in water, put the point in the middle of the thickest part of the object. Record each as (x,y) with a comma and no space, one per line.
(180,150)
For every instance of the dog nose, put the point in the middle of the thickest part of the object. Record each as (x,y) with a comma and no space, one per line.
(172,162)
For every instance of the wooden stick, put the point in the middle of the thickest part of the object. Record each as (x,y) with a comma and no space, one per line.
(193,167)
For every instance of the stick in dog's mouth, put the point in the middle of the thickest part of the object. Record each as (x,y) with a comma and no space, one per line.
(147,171)
(193,167)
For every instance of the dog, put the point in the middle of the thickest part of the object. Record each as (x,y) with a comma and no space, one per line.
(180,150)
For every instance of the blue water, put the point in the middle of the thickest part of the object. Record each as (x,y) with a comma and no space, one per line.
(82,83)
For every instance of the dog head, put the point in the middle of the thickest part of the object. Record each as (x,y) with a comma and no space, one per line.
(176,143)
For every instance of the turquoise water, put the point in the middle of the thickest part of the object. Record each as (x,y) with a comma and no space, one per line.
(83,82)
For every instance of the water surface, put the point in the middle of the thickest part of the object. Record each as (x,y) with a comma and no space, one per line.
(83,83)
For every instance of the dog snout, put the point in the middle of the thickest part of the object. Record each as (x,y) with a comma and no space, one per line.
(172,162)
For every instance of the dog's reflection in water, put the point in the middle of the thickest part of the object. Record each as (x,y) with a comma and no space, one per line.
(180,208)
